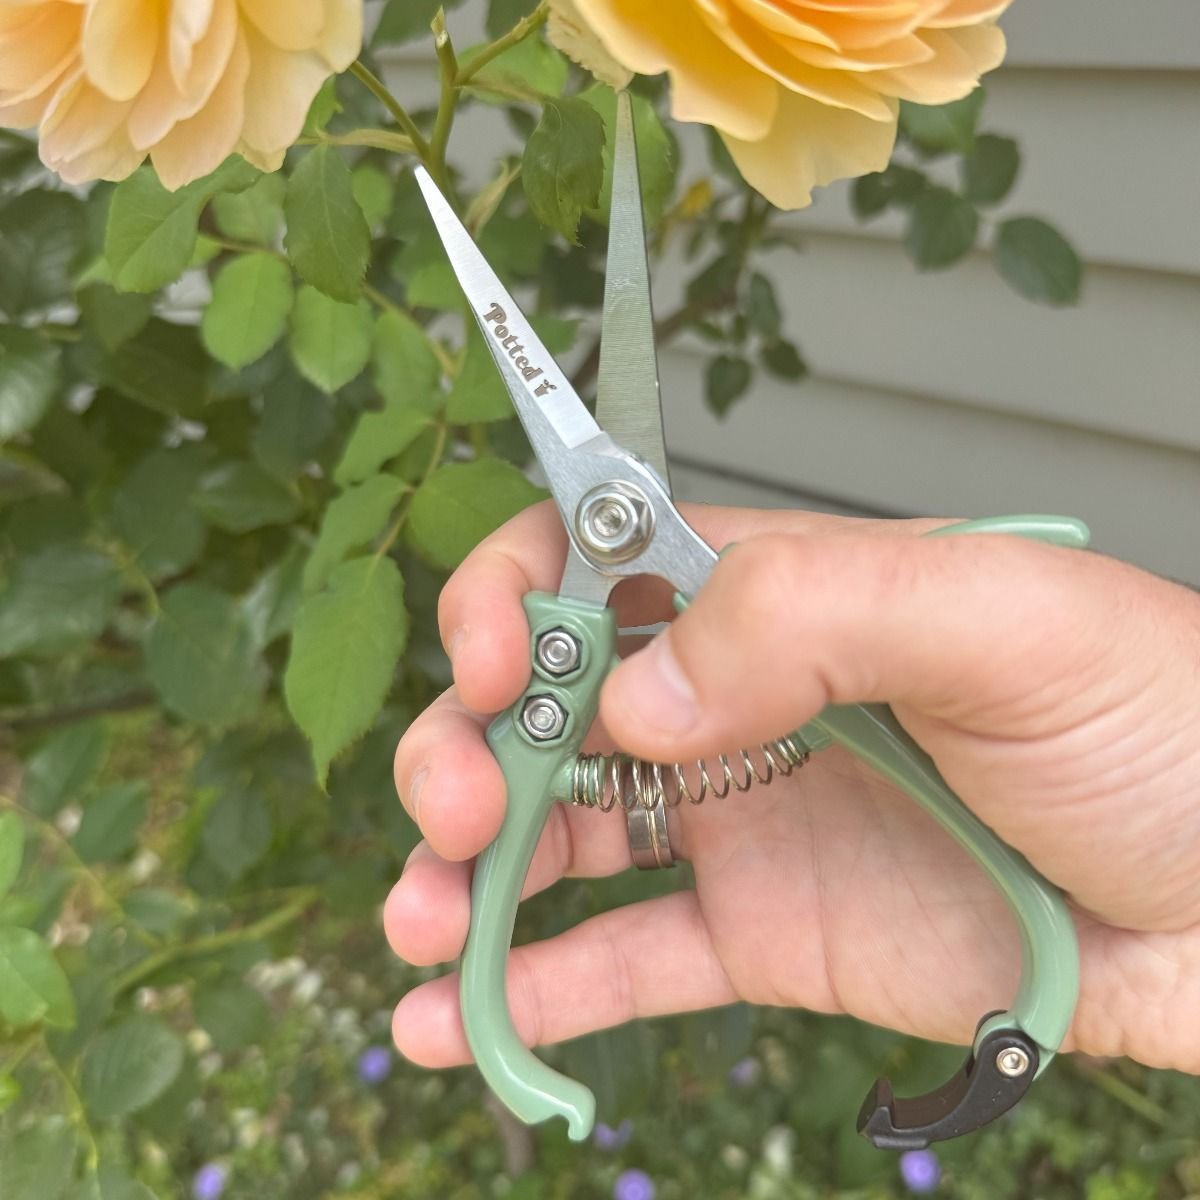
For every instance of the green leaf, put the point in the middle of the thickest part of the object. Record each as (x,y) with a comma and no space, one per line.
(113,317)
(44,235)
(12,849)
(152,511)
(717,1039)
(783,360)
(233,1014)
(374,191)
(29,378)
(346,642)
(352,520)
(255,215)
(248,312)
(327,237)
(272,601)
(990,170)
(64,766)
(112,1183)
(532,69)
(762,307)
(330,342)
(1037,261)
(944,127)
(56,598)
(152,232)
(407,20)
(504,14)
(725,380)
(461,503)
(37,1163)
(563,167)
(404,366)
(377,437)
(656,153)
(163,367)
(941,230)
(896,185)
(478,392)
(200,656)
(617,1064)
(240,496)
(33,987)
(129,1066)
(111,820)
(296,420)
(237,831)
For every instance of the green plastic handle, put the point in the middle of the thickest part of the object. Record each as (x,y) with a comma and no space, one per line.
(537,773)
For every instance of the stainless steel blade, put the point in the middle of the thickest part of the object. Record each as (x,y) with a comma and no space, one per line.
(549,407)
(628,405)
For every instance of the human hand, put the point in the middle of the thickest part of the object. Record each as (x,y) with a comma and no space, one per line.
(1057,691)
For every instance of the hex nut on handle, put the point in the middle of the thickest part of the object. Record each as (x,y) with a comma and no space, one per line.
(543,718)
(558,652)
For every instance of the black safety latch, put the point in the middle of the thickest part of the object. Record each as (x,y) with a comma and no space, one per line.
(991,1081)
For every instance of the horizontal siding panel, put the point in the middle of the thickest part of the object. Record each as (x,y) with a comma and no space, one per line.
(886,451)
(1126,361)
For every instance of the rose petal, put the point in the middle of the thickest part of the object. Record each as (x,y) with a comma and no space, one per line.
(289,24)
(119,41)
(960,57)
(279,90)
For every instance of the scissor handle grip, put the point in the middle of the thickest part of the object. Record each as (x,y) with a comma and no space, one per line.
(536,770)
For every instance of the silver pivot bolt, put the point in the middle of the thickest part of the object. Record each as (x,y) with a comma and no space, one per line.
(1012,1062)
(614,522)
(557,652)
(544,718)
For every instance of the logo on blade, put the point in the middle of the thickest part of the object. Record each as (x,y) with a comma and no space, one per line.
(496,316)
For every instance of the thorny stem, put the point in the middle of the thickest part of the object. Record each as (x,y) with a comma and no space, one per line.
(376,87)
(519,32)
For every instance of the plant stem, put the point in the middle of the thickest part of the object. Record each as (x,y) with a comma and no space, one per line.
(376,87)
(376,139)
(439,447)
(447,101)
(518,33)
(1122,1092)
(382,300)
(78,1114)
(213,942)
(36,722)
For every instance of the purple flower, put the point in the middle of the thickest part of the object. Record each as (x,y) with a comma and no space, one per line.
(209,1182)
(920,1171)
(633,1185)
(745,1074)
(375,1064)
(608,1138)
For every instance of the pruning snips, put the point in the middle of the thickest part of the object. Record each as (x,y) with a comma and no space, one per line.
(608,475)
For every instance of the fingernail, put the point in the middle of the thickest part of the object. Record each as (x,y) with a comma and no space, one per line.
(415,784)
(660,694)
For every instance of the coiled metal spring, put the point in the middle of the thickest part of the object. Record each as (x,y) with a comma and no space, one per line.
(605,780)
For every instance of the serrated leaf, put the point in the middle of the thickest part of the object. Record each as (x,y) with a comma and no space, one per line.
(163,366)
(346,642)
(725,380)
(330,341)
(937,129)
(12,849)
(296,420)
(111,820)
(255,215)
(327,237)
(461,503)
(896,185)
(941,229)
(762,307)
(152,232)
(248,312)
(63,767)
(44,235)
(237,831)
(374,190)
(232,1013)
(29,378)
(241,496)
(33,987)
(37,1163)
(1037,261)
(113,317)
(656,153)
(152,511)
(377,437)
(200,656)
(272,601)
(531,69)
(352,520)
(129,1066)
(56,598)
(990,170)
(404,366)
(783,360)
(563,167)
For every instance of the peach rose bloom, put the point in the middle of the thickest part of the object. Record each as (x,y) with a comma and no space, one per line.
(187,82)
(803,92)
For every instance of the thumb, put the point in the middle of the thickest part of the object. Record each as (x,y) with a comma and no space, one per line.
(989,634)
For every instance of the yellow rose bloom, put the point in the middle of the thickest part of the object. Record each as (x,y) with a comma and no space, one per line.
(187,82)
(803,92)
